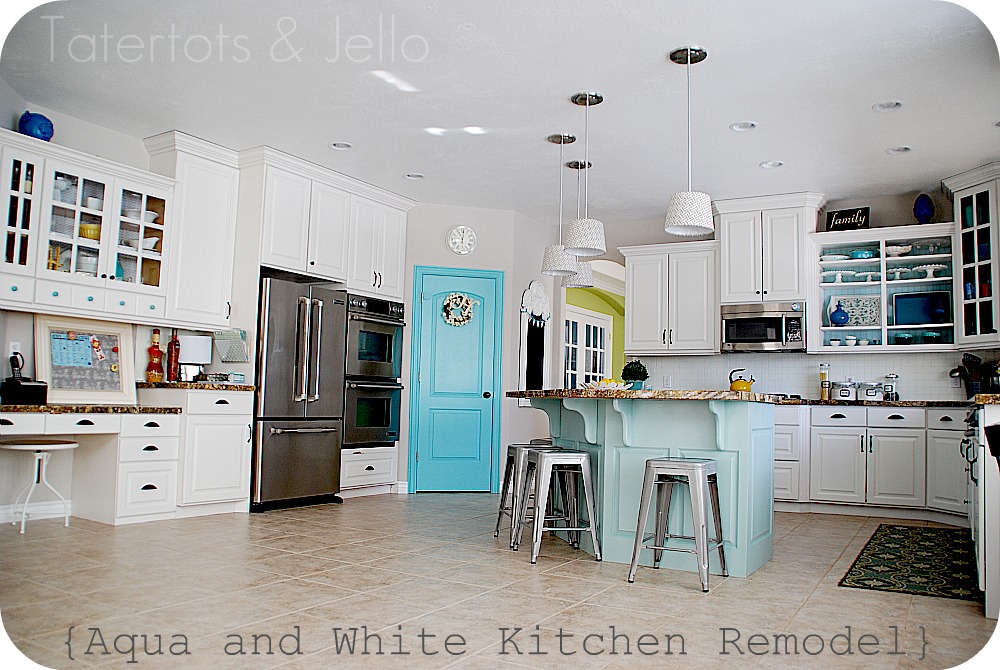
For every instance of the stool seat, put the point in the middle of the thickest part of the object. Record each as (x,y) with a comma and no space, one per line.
(42,446)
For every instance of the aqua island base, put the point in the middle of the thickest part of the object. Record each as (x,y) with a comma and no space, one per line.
(621,429)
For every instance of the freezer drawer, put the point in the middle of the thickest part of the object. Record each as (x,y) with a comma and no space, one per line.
(296,459)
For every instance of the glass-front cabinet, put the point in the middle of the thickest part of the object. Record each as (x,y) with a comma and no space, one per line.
(976,229)
(20,196)
(884,289)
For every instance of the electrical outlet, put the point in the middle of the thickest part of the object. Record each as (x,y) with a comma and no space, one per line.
(13,348)
(668,382)
(956,382)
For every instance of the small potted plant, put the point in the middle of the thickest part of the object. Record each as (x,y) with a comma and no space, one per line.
(634,374)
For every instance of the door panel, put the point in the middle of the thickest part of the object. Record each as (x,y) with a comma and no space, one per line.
(897,462)
(646,303)
(692,306)
(837,464)
(783,243)
(276,349)
(456,426)
(286,219)
(741,257)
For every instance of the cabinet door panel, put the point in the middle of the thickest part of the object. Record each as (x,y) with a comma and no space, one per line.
(285,234)
(897,465)
(786,480)
(215,459)
(20,193)
(646,304)
(947,474)
(392,252)
(363,244)
(786,443)
(837,465)
(740,244)
(692,305)
(329,224)
(783,242)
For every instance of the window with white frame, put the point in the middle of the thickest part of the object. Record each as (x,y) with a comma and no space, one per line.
(586,340)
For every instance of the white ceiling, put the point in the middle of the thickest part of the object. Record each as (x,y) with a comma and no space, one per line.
(807,71)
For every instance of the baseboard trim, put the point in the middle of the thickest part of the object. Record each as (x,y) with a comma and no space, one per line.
(867,510)
(402,488)
(360,491)
(50,509)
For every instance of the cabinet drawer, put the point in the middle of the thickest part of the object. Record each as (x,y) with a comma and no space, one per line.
(141,449)
(146,488)
(786,480)
(120,302)
(53,293)
(86,297)
(219,402)
(789,415)
(896,417)
(951,418)
(365,467)
(786,443)
(80,424)
(17,289)
(16,423)
(146,425)
(838,416)
(146,306)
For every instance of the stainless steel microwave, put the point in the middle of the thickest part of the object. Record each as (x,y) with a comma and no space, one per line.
(766,326)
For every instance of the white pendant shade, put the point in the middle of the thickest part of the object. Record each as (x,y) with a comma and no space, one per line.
(689,214)
(557,263)
(584,277)
(585,238)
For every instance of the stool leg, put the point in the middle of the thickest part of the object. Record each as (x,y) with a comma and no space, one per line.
(713,488)
(518,501)
(17,501)
(543,477)
(663,498)
(45,461)
(522,508)
(504,490)
(589,494)
(572,484)
(39,470)
(698,486)
(645,499)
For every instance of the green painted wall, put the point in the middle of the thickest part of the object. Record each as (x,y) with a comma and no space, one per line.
(603,302)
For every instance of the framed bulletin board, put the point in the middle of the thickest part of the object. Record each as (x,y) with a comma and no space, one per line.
(84,361)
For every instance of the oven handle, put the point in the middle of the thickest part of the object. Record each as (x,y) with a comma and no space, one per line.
(286,431)
(376,319)
(374,385)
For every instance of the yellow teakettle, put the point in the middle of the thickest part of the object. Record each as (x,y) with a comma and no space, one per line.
(740,384)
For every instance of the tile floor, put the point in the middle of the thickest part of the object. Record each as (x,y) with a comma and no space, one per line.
(428,563)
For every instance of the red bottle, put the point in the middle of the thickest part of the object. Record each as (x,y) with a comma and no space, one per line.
(173,357)
(154,369)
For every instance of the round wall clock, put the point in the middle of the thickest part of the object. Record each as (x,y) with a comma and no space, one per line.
(462,240)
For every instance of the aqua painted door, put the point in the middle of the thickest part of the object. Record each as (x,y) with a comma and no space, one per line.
(457,417)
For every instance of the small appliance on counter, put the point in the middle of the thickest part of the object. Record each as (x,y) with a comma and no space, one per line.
(18,390)
(195,354)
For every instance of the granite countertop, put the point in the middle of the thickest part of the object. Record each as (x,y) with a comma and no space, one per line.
(666,394)
(197,386)
(88,409)
(985,399)
(880,403)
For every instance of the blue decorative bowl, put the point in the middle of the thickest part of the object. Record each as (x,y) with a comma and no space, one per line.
(863,253)
(923,208)
(35,125)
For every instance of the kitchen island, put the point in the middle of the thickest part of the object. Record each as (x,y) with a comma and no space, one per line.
(621,429)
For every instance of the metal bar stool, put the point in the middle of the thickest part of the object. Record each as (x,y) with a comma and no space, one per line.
(570,464)
(700,475)
(517,455)
(42,448)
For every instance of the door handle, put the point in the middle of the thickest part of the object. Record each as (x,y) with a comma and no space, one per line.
(487,394)
(318,305)
(869,444)
(862,444)
(148,487)
(838,415)
(370,467)
(85,422)
(664,335)
(374,278)
(946,418)
(289,431)
(670,338)
(896,417)
(151,447)
(151,424)
(301,383)
(221,401)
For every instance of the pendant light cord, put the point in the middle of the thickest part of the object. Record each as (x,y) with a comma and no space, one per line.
(689,115)
(586,158)
(562,143)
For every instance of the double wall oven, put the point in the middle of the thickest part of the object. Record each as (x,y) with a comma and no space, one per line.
(372,392)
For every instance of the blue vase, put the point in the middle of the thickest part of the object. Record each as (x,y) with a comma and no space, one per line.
(839,316)
(35,125)
(923,208)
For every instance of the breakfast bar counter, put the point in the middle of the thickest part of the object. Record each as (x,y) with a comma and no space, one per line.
(621,429)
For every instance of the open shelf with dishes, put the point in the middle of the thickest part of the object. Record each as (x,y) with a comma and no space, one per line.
(883,289)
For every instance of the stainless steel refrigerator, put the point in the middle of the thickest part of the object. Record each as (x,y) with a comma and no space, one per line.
(299,407)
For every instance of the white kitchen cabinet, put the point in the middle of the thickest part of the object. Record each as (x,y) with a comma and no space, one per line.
(791,452)
(285,233)
(947,472)
(202,250)
(896,467)
(764,247)
(215,460)
(671,298)
(20,190)
(371,466)
(837,463)
(378,247)
(329,217)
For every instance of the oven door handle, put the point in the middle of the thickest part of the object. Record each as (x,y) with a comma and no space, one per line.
(377,319)
(374,385)
(287,431)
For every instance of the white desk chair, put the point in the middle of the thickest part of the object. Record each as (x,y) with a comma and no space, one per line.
(42,448)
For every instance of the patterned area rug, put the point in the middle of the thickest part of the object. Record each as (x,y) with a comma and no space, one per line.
(937,562)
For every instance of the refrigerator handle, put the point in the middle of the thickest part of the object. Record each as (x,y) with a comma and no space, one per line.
(317,348)
(301,380)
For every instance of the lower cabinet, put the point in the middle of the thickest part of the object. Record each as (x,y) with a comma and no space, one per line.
(791,452)
(367,467)
(837,464)
(215,459)
(947,472)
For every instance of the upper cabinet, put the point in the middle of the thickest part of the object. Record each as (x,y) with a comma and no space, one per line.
(83,235)
(317,222)
(671,298)
(764,246)
(975,201)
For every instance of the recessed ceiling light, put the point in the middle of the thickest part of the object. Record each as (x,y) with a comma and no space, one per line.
(414,175)
(770,165)
(743,126)
(887,106)
(895,151)
(341,146)
(393,80)
(474,130)
(433,130)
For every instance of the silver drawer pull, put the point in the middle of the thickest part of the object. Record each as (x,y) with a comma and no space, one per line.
(148,487)
(896,417)
(151,447)
(221,401)
(837,416)
(151,424)
(370,467)
(85,422)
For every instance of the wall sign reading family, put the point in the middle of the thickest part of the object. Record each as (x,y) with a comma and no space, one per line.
(85,361)
(848,219)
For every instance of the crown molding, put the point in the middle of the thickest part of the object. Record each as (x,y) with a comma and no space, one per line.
(176,141)
(669,247)
(780,201)
(609,284)
(972,177)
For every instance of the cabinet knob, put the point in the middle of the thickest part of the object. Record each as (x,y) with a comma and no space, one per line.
(757,292)
(312,262)
(90,298)
(13,288)
(121,302)
(152,306)
(55,294)
(104,276)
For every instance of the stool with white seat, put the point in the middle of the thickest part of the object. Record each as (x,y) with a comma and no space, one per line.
(42,448)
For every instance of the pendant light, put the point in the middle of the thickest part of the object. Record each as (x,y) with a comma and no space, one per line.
(556,262)
(689,212)
(583,276)
(585,236)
